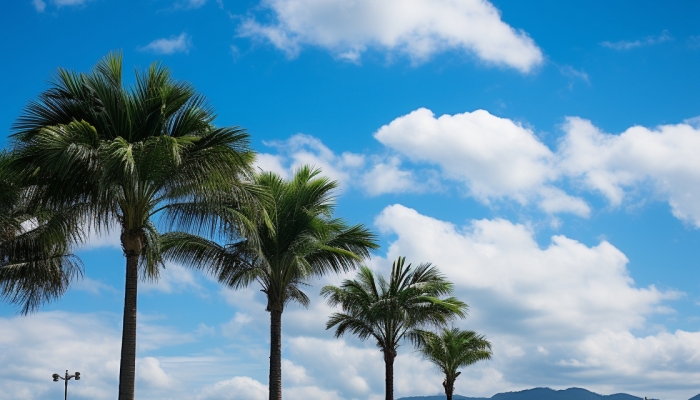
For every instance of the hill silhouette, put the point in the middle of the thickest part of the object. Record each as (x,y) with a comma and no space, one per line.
(542,394)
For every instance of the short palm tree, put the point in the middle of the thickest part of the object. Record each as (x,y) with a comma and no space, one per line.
(127,153)
(36,264)
(297,240)
(452,349)
(394,310)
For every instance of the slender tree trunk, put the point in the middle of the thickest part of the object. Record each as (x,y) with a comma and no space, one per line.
(389,356)
(132,246)
(127,368)
(276,354)
(449,386)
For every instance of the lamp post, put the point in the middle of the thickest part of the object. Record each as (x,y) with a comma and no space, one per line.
(68,377)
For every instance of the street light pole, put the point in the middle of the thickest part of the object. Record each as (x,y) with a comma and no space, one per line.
(68,377)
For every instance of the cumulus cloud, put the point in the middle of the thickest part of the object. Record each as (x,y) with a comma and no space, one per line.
(494,156)
(172,45)
(35,347)
(559,315)
(497,159)
(664,158)
(416,28)
(174,278)
(374,174)
(591,284)
(647,41)
(237,388)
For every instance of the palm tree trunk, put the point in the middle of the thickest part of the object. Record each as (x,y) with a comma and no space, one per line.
(276,354)
(389,356)
(127,369)
(449,386)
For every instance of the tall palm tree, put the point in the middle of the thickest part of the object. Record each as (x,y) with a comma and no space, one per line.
(36,264)
(128,153)
(297,240)
(394,310)
(452,349)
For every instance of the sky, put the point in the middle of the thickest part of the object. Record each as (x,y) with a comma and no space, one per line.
(543,155)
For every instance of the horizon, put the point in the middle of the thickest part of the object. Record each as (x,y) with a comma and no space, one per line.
(542,156)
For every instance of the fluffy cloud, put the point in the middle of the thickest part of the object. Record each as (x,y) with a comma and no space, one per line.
(374,175)
(172,45)
(494,156)
(237,388)
(497,158)
(502,260)
(35,347)
(664,158)
(174,278)
(561,315)
(417,28)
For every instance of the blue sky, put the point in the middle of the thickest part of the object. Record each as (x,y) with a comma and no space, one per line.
(542,154)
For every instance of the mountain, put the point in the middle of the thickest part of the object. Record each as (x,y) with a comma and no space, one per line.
(542,394)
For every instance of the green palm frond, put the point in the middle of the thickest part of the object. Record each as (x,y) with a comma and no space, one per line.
(452,349)
(36,264)
(290,236)
(395,309)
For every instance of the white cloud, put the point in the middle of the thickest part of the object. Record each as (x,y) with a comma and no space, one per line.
(271,163)
(237,388)
(386,176)
(375,175)
(664,158)
(494,156)
(110,238)
(35,347)
(647,41)
(503,261)
(303,149)
(564,313)
(417,28)
(497,159)
(39,5)
(174,278)
(172,45)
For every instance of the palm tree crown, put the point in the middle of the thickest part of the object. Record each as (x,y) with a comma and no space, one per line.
(394,310)
(452,349)
(297,239)
(36,264)
(125,154)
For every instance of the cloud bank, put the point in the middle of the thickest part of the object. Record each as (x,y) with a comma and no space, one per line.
(418,29)
(496,159)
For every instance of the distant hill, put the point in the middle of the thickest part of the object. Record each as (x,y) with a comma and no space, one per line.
(542,394)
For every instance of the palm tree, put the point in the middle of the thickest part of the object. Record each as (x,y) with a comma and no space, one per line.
(394,310)
(453,349)
(36,265)
(127,154)
(297,240)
